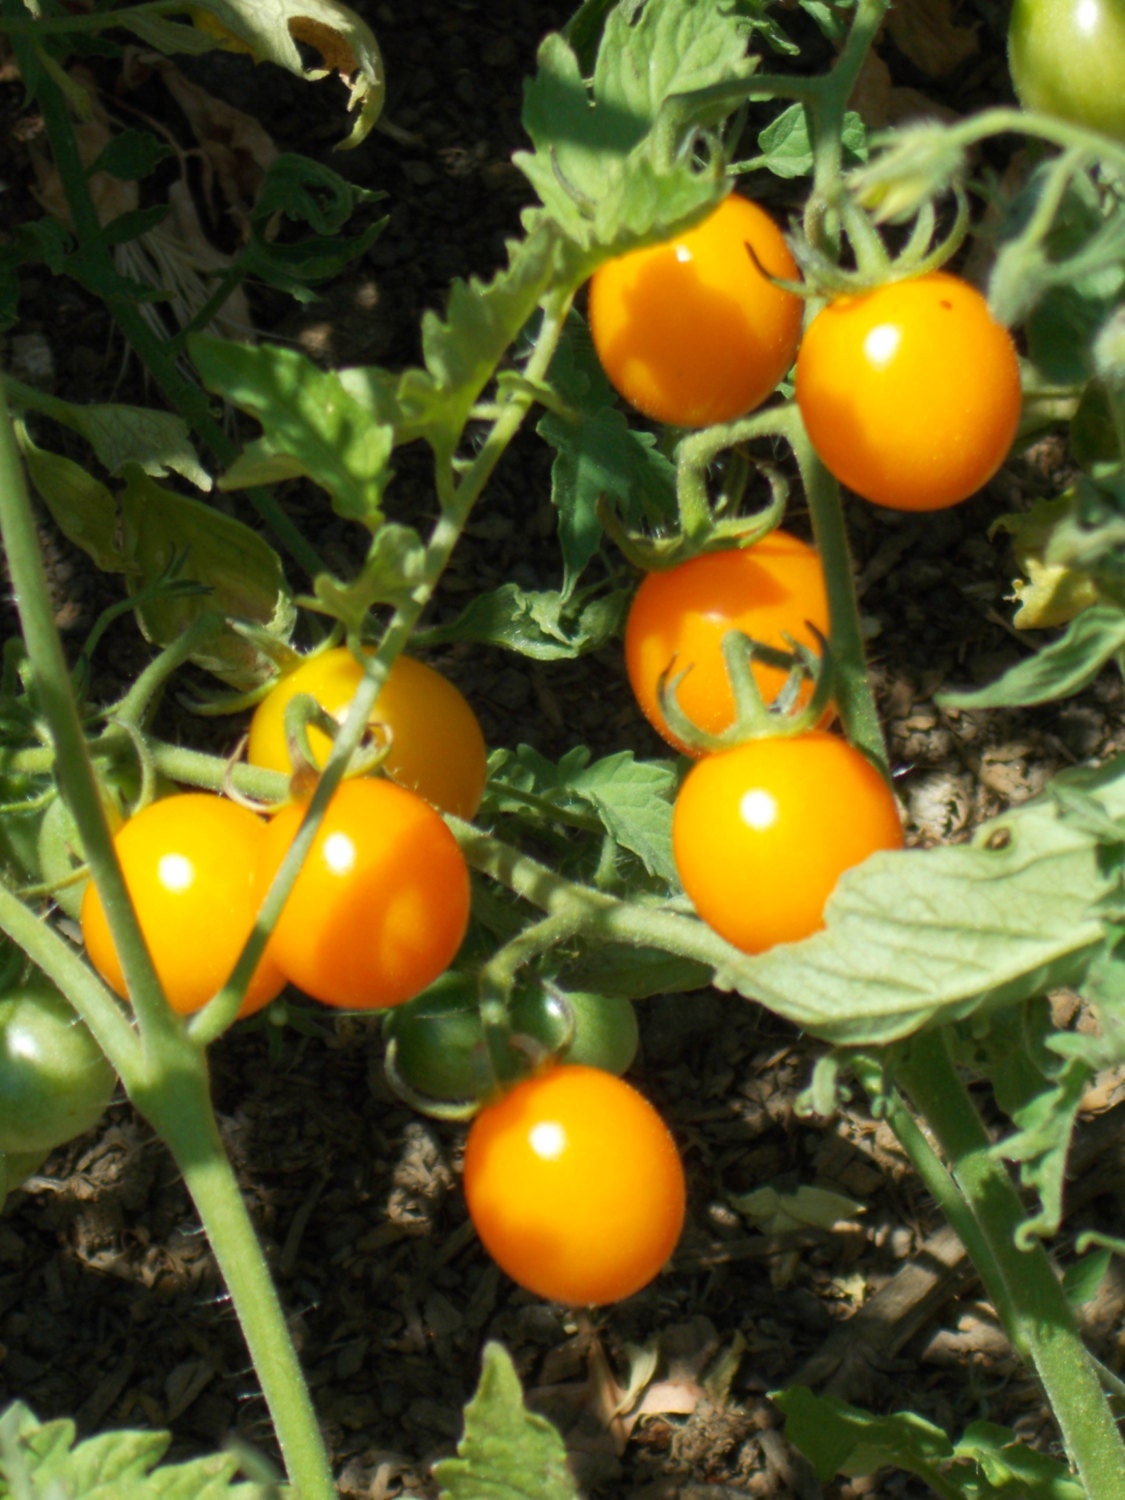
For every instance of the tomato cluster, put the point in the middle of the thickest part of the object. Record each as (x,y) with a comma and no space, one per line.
(910,393)
(377,912)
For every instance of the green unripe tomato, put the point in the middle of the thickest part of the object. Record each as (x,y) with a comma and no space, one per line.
(439,1045)
(1067,59)
(54,1079)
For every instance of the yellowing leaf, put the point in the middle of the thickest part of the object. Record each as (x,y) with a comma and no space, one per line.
(1048,593)
(270,30)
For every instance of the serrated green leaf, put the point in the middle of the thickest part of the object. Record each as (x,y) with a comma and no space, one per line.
(786,145)
(1012,1469)
(310,416)
(542,625)
(159,441)
(603,166)
(506,1452)
(842,1439)
(915,937)
(1040,1143)
(41,1461)
(597,453)
(80,505)
(241,572)
(1058,670)
(482,320)
(1049,593)
(394,566)
(633,800)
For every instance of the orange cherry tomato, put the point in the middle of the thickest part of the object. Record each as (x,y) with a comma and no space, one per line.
(911,393)
(189,863)
(762,833)
(680,615)
(575,1186)
(437,748)
(382,900)
(689,331)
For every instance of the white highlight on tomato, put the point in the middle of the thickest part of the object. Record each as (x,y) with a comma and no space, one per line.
(175,872)
(683,254)
(339,853)
(881,344)
(758,809)
(548,1140)
(1087,15)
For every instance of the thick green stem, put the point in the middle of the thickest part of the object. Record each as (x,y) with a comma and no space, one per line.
(179,1108)
(1027,1283)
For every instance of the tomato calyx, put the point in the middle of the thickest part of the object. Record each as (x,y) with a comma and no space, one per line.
(792,712)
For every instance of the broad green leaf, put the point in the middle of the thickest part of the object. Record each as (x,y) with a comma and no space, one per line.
(482,320)
(633,800)
(1012,1470)
(1059,670)
(81,507)
(597,453)
(786,145)
(271,33)
(165,534)
(603,169)
(43,1460)
(544,626)
(158,441)
(309,417)
(393,568)
(771,1212)
(842,1439)
(1040,1144)
(915,937)
(506,1452)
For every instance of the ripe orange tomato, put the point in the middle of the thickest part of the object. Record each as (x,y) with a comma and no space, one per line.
(382,900)
(680,615)
(575,1186)
(437,748)
(689,331)
(189,862)
(911,393)
(762,833)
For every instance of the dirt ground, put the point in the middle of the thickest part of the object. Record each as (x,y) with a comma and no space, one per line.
(110,1307)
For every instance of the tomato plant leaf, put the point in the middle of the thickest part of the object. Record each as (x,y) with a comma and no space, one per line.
(271,33)
(506,1452)
(914,937)
(309,416)
(543,625)
(633,800)
(1059,670)
(1012,1470)
(462,350)
(628,973)
(597,453)
(164,535)
(601,167)
(842,1439)
(83,509)
(42,1458)
(786,145)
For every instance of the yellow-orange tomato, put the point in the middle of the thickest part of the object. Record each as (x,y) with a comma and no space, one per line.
(382,900)
(574,1185)
(762,833)
(911,393)
(689,331)
(680,615)
(189,863)
(437,748)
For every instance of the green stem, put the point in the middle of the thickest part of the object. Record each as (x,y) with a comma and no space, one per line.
(1027,1283)
(853,694)
(180,1109)
(164,1073)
